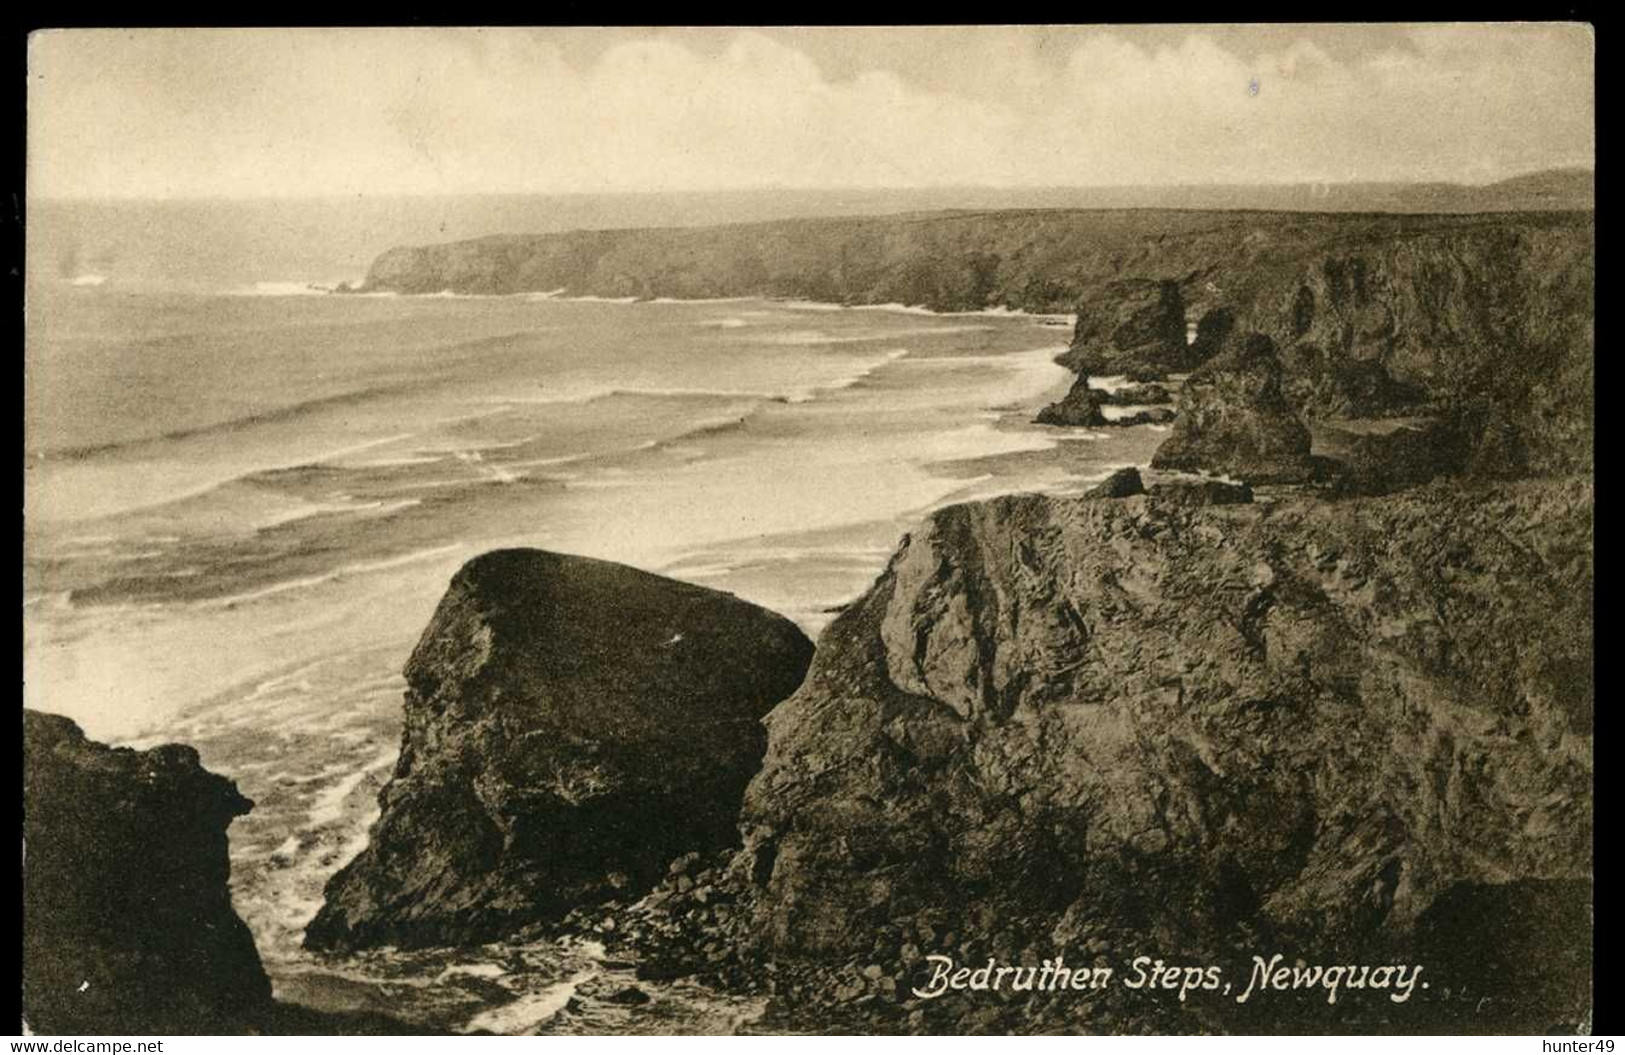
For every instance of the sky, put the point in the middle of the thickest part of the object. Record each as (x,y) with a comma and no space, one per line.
(183,113)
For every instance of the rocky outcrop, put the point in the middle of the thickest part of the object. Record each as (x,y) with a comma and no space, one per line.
(1124,483)
(1104,728)
(1489,328)
(1234,419)
(571,726)
(128,926)
(1079,409)
(1132,327)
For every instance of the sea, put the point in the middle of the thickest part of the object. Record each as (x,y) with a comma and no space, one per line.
(244,496)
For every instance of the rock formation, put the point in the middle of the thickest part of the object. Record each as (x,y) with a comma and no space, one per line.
(1124,483)
(1079,409)
(128,926)
(1099,728)
(571,726)
(1134,327)
(1234,419)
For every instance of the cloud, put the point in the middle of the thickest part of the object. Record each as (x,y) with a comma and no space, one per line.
(288,112)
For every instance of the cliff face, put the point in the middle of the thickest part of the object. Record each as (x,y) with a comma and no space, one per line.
(1489,326)
(128,925)
(571,726)
(1097,726)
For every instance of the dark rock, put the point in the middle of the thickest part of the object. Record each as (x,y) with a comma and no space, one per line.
(1512,953)
(128,926)
(1493,328)
(1234,420)
(1379,457)
(1213,332)
(1340,387)
(1124,483)
(1080,408)
(631,996)
(1131,326)
(1201,493)
(1218,729)
(566,719)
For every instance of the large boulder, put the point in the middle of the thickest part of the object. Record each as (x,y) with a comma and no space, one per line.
(1134,327)
(571,726)
(128,926)
(1095,729)
(1234,419)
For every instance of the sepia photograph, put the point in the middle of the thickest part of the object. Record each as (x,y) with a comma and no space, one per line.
(803,530)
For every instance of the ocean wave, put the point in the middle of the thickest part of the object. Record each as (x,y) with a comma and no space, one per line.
(340,507)
(817,338)
(284,289)
(342,571)
(997,312)
(269,416)
(855,379)
(530,1010)
(803,394)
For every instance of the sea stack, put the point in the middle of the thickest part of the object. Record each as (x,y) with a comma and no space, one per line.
(128,926)
(1133,327)
(1235,420)
(572,725)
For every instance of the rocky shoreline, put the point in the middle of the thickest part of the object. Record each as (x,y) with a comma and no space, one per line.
(1315,683)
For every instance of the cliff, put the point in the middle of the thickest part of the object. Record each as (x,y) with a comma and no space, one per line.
(1101,727)
(571,726)
(128,926)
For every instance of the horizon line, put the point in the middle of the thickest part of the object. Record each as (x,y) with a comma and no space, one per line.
(1586,168)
